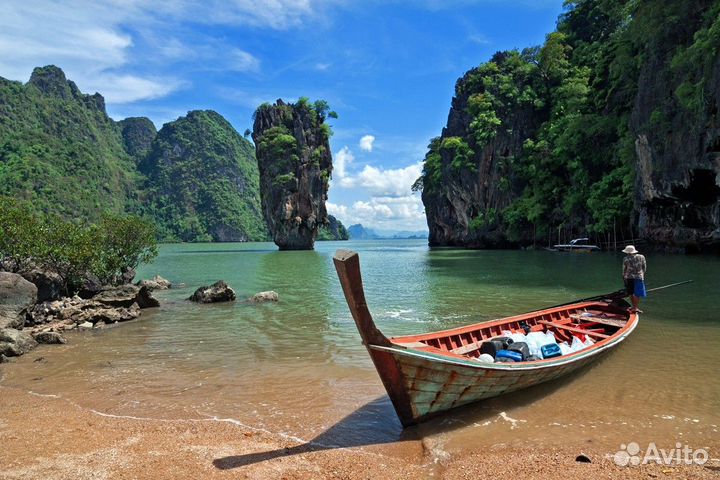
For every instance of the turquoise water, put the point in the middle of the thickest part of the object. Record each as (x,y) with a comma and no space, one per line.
(297,367)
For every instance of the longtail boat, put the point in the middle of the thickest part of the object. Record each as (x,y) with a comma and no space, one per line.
(433,372)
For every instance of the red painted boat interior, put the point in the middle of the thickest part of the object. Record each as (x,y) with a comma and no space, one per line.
(598,320)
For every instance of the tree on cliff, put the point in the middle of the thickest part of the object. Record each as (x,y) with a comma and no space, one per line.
(293,154)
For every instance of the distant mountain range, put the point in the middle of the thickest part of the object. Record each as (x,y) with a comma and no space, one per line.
(358,232)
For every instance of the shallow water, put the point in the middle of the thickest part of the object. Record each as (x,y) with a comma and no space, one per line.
(297,367)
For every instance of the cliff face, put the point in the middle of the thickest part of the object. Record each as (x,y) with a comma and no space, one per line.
(202,181)
(60,151)
(469,179)
(293,155)
(677,130)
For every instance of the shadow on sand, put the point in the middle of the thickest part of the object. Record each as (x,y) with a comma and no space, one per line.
(375,423)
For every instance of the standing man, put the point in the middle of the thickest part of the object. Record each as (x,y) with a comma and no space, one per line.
(634,267)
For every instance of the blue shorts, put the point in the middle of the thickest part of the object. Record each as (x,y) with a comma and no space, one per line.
(635,286)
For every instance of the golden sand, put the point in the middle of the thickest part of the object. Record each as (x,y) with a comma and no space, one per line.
(46,437)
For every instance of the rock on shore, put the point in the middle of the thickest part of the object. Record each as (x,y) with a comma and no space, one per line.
(217,292)
(14,343)
(262,297)
(156,283)
(16,296)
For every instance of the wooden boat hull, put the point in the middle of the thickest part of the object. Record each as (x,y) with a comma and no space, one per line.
(434,386)
(431,373)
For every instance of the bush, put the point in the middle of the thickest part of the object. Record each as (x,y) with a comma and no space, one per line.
(74,250)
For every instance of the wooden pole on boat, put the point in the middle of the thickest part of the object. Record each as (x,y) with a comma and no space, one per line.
(347,264)
(618,294)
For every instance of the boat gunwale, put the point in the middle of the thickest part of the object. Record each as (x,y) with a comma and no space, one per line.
(597,348)
(493,323)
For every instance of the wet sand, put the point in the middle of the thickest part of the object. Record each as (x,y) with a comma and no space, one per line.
(47,437)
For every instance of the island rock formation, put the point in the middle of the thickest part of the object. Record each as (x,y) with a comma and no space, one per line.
(293,155)
(610,129)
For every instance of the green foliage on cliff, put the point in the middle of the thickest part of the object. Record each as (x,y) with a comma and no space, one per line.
(73,249)
(333,230)
(60,151)
(202,182)
(578,91)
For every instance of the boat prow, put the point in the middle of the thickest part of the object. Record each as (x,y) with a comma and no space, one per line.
(430,373)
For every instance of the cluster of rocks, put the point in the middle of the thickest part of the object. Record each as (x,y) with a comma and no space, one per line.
(31,314)
(221,292)
(111,305)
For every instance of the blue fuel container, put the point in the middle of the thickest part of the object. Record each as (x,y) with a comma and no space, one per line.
(551,350)
(515,356)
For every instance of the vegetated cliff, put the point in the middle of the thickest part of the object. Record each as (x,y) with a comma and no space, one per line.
(60,151)
(333,230)
(202,181)
(138,134)
(469,177)
(293,155)
(676,126)
(610,128)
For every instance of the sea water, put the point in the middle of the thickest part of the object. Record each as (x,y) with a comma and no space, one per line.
(297,367)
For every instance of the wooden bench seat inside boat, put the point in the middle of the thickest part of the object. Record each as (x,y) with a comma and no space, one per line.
(573,329)
(602,320)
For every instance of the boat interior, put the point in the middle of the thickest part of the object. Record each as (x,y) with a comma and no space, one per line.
(597,320)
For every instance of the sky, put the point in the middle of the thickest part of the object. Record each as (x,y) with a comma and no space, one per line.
(388,68)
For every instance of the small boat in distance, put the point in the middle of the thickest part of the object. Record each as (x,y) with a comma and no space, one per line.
(576,245)
(430,373)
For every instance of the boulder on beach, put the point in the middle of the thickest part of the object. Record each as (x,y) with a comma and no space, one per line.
(217,292)
(50,285)
(14,343)
(125,296)
(49,338)
(16,296)
(156,283)
(262,297)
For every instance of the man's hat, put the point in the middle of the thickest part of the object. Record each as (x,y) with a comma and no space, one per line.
(629,249)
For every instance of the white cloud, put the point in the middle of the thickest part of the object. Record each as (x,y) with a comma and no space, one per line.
(366,143)
(276,14)
(129,88)
(479,39)
(243,61)
(342,159)
(85,39)
(392,213)
(381,182)
(390,205)
(322,66)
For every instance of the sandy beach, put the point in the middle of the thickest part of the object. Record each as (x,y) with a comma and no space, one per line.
(46,437)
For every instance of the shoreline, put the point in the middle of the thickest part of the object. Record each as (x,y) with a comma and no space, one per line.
(79,442)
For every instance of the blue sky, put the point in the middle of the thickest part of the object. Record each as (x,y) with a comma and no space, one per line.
(387,67)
